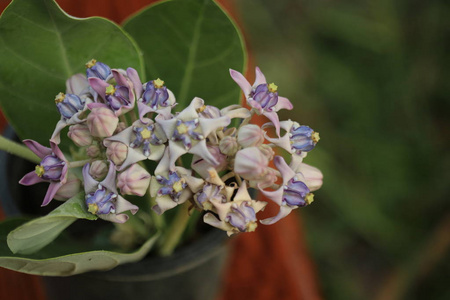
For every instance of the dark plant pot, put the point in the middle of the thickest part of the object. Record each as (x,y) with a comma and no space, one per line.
(192,272)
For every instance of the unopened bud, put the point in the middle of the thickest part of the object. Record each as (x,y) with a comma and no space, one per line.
(250,135)
(228,145)
(267,151)
(93,151)
(102,122)
(117,152)
(250,163)
(134,181)
(80,135)
(69,189)
(98,170)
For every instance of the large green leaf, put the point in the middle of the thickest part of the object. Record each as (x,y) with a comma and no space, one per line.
(36,234)
(57,259)
(190,44)
(40,47)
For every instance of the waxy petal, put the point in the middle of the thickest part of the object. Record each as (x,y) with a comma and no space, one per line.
(284,211)
(137,84)
(52,189)
(242,82)
(37,148)
(260,78)
(31,178)
(99,86)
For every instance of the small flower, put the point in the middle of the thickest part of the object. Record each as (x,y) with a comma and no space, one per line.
(102,198)
(169,187)
(213,189)
(102,122)
(298,140)
(80,135)
(250,135)
(53,168)
(155,98)
(262,97)
(236,216)
(133,181)
(97,69)
(142,141)
(187,132)
(292,194)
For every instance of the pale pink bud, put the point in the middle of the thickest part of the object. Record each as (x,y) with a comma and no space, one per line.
(134,181)
(93,151)
(102,122)
(250,163)
(69,189)
(98,170)
(267,151)
(228,145)
(250,135)
(80,135)
(313,176)
(117,152)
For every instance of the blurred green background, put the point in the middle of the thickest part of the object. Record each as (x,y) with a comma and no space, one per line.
(371,77)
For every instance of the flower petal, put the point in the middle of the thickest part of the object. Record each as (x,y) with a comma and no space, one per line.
(31,178)
(37,148)
(52,189)
(242,82)
(137,84)
(284,211)
(260,78)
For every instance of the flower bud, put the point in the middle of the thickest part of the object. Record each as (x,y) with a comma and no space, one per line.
(250,163)
(117,152)
(80,135)
(120,127)
(313,176)
(250,135)
(93,151)
(228,145)
(98,170)
(267,151)
(69,189)
(134,181)
(102,122)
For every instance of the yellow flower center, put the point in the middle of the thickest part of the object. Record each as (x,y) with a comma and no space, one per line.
(182,128)
(178,186)
(251,226)
(60,98)
(90,63)
(201,109)
(110,90)
(272,87)
(39,170)
(315,137)
(92,208)
(158,83)
(309,198)
(145,133)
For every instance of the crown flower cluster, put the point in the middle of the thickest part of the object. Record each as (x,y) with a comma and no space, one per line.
(120,125)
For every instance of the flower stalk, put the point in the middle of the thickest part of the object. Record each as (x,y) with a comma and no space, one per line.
(18,150)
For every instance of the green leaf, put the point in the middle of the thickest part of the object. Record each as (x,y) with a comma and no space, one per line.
(38,233)
(41,47)
(190,44)
(57,260)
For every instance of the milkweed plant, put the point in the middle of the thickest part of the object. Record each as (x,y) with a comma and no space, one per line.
(120,138)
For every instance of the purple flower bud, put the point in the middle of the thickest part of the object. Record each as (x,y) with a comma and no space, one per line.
(250,135)
(68,104)
(250,163)
(134,181)
(80,135)
(97,69)
(295,192)
(228,145)
(98,170)
(69,189)
(93,151)
(102,122)
(117,152)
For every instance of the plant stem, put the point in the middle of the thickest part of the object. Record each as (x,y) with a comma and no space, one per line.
(18,149)
(176,229)
(80,163)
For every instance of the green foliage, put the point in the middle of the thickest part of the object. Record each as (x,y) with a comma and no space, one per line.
(36,234)
(40,48)
(57,259)
(190,44)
